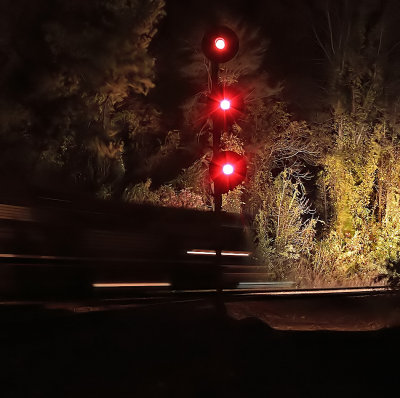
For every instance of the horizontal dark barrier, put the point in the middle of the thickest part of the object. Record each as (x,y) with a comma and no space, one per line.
(51,246)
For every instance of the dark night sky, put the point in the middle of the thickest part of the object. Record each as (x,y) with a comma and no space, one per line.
(291,57)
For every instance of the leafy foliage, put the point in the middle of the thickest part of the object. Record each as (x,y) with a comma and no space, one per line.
(70,70)
(285,230)
(165,196)
(359,174)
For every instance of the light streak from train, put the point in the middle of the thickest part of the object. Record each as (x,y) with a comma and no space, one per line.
(131,284)
(223,253)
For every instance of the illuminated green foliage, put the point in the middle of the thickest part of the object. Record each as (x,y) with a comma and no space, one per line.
(358,179)
(284,224)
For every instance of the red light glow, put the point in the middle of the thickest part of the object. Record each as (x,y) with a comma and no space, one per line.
(220,43)
(225,104)
(228,169)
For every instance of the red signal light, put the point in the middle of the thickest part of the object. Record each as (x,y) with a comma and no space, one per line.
(220,43)
(225,104)
(227,169)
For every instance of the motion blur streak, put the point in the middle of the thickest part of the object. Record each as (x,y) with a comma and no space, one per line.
(265,285)
(230,253)
(328,291)
(20,213)
(133,284)
(223,253)
(29,256)
(202,252)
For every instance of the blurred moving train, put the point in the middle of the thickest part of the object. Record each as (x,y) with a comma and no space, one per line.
(52,247)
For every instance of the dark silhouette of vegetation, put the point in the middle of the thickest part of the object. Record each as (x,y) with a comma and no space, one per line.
(74,76)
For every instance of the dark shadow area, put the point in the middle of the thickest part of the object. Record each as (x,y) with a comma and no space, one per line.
(180,352)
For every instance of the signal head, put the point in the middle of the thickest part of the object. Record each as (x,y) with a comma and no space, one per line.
(225,106)
(227,169)
(220,44)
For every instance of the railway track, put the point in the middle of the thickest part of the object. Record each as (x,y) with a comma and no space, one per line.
(128,297)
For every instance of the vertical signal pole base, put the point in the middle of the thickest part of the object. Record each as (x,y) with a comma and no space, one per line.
(220,44)
(216,136)
(219,303)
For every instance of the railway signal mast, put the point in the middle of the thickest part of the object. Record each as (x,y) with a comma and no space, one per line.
(227,168)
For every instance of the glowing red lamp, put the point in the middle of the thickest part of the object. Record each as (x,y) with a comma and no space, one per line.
(225,104)
(220,43)
(227,169)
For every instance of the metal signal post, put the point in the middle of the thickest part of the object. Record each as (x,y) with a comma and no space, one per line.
(220,45)
(217,47)
(227,169)
(216,132)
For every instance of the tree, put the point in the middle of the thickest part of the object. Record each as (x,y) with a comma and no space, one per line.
(71,82)
(358,45)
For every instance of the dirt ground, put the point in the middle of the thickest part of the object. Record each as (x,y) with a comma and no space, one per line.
(275,348)
(340,313)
